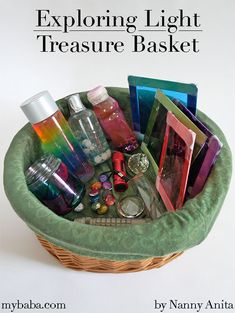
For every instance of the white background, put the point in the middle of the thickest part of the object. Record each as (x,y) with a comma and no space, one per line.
(27,271)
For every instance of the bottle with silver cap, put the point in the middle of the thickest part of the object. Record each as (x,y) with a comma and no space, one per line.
(87,129)
(55,134)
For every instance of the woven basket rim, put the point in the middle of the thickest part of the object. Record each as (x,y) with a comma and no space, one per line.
(83,263)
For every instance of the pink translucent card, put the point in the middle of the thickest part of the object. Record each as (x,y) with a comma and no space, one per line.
(175,163)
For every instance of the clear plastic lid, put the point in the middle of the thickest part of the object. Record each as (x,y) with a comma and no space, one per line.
(42,169)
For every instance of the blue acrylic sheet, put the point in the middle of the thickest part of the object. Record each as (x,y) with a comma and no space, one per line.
(142,96)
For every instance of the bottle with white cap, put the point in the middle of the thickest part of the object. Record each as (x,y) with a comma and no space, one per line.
(87,129)
(55,134)
(112,119)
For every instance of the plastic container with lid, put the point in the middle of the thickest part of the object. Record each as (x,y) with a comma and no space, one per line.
(55,134)
(112,119)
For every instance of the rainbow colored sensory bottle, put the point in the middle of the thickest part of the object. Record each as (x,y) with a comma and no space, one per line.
(55,134)
(112,119)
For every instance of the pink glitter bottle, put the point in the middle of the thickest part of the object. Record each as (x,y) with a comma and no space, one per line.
(112,119)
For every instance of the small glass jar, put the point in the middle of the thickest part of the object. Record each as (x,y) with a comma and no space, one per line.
(50,181)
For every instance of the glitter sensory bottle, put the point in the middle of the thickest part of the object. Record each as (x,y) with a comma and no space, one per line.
(112,119)
(55,134)
(87,129)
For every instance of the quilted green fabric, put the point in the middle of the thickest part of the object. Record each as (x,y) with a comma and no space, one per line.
(172,232)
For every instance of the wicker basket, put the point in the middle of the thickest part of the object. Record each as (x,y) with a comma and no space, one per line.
(78,262)
(105,249)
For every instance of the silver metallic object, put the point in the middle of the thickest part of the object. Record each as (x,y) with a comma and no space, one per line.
(111,221)
(131,207)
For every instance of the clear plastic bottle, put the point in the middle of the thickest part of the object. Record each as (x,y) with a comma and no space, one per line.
(55,134)
(112,119)
(87,129)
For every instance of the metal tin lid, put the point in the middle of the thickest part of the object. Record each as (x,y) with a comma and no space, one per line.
(75,103)
(39,107)
(131,207)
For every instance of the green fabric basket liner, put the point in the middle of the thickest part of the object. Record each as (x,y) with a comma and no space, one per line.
(172,232)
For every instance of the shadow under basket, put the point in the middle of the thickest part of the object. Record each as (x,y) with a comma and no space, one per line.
(128,248)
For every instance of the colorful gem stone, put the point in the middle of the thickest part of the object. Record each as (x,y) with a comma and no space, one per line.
(107,185)
(95,206)
(103,178)
(96,186)
(103,209)
(94,196)
(93,193)
(79,208)
(95,199)
(109,200)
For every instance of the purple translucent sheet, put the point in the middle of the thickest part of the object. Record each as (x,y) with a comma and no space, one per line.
(201,167)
